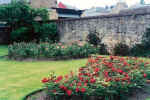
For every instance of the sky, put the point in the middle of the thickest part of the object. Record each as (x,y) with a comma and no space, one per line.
(85,4)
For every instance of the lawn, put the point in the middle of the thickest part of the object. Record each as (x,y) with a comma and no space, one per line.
(3,50)
(20,78)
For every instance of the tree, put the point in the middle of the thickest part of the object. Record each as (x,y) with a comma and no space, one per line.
(20,16)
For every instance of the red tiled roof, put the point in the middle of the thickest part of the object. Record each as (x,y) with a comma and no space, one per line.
(61,5)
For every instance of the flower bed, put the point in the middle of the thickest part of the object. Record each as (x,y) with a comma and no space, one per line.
(47,50)
(103,78)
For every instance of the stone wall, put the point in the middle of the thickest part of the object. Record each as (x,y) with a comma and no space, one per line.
(127,27)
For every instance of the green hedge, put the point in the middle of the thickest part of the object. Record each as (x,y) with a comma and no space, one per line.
(47,50)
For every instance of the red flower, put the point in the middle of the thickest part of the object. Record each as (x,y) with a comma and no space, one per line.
(83,90)
(117,79)
(113,69)
(111,57)
(81,78)
(45,80)
(59,78)
(79,84)
(63,87)
(77,89)
(108,79)
(120,71)
(54,91)
(96,70)
(66,76)
(125,63)
(106,74)
(110,65)
(85,84)
(92,80)
(69,92)
(145,75)
(80,74)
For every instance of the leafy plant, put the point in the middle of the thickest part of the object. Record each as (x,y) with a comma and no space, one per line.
(121,49)
(142,49)
(47,50)
(105,78)
(93,39)
(48,32)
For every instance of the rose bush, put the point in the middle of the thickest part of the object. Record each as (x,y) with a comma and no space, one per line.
(48,50)
(109,78)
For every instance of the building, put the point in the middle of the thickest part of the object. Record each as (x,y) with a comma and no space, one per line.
(43,3)
(65,13)
(95,11)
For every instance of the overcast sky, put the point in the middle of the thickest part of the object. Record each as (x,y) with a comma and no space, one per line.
(84,4)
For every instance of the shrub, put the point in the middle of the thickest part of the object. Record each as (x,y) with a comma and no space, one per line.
(93,38)
(146,39)
(142,49)
(103,49)
(121,49)
(48,32)
(106,78)
(47,50)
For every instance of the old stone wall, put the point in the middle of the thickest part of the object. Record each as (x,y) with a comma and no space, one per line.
(127,27)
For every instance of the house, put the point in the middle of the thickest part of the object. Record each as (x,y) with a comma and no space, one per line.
(65,13)
(95,11)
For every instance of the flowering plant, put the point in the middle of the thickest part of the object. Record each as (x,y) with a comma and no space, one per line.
(105,77)
(47,50)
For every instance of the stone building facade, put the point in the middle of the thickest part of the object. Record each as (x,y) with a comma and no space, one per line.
(43,3)
(46,4)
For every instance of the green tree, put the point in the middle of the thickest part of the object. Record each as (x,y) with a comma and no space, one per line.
(20,16)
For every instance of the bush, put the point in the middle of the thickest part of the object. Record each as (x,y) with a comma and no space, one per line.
(146,39)
(142,49)
(92,38)
(106,78)
(103,49)
(47,50)
(48,32)
(121,49)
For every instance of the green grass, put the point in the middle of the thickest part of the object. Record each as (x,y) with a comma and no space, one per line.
(20,78)
(3,50)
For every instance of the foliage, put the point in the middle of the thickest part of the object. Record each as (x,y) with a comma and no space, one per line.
(21,17)
(146,38)
(121,49)
(48,32)
(47,50)
(109,78)
(103,49)
(142,49)
(93,38)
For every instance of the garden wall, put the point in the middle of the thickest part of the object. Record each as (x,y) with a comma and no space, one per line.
(127,26)
(4,35)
